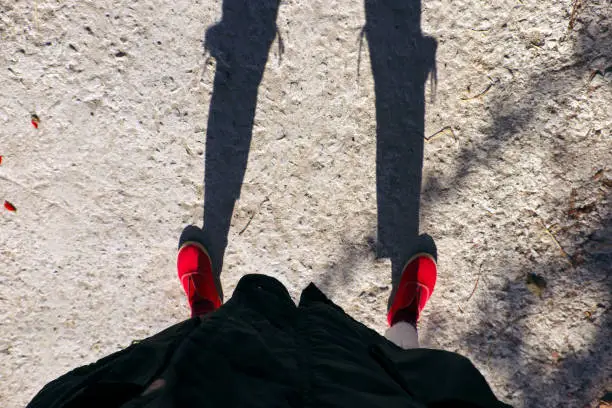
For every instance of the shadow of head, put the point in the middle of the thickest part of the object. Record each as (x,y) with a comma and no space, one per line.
(398,48)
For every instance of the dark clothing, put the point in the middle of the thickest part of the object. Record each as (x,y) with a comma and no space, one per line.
(260,350)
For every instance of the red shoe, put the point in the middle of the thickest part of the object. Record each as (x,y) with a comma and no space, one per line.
(415,289)
(196,274)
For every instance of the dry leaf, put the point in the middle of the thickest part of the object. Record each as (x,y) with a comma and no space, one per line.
(536,284)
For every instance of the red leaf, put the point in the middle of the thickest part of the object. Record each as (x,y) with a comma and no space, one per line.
(9,206)
(0,159)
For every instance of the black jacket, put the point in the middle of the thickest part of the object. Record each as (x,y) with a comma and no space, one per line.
(260,350)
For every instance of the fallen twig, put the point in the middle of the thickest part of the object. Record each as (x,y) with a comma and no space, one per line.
(572,203)
(281,47)
(488,87)
(475,284)
(576,6)
(441,132)
(361,36)
(473,289)
(552,236)
(253,216)
(554,239)
(598,174)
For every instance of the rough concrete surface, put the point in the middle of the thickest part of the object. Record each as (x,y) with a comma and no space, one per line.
(516,177)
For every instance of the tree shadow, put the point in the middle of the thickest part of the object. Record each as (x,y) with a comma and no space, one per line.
(543,376)
(513,111)
(340,273)
(401,58)
(502,329)
(239,43)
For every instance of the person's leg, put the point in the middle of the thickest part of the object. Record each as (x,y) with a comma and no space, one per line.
(403,335)
(415,288)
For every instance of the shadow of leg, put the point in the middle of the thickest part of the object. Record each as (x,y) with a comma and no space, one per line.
(240,44)
(401,59)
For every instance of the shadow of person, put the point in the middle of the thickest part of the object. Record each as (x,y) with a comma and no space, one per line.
(402,59)
(240,43)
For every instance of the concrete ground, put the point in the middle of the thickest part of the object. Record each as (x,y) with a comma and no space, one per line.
(488,127)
